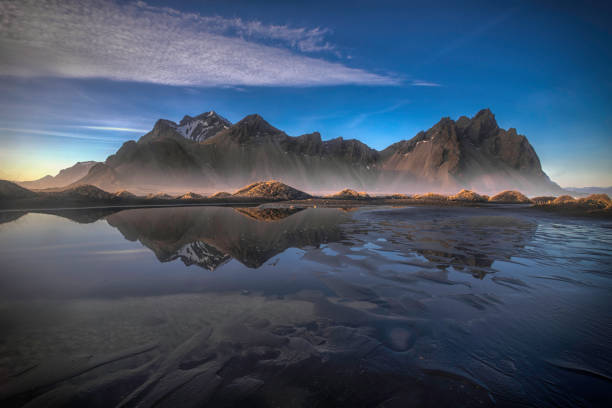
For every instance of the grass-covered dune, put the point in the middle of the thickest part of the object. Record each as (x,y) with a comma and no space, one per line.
(595,204)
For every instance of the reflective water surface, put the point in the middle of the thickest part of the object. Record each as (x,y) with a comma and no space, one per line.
(288,307)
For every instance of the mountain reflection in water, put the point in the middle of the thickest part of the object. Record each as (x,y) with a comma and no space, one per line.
(304,307)
(211,237)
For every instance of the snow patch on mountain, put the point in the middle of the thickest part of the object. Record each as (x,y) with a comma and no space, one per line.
(202,126)
(201,254)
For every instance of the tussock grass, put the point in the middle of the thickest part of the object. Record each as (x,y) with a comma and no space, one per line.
(349,194)
(543,199)
(510,197)
(595,204)
(431,197)
(468,195)
(271,189)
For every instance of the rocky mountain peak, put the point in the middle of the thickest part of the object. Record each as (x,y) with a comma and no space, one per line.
(314,137)
(485,115)
(80,167)
(186,119)
(203,126)
(197,129)
(472,152)
(256,123)
(164,123)
(484,122)
(253,128)
(210,115)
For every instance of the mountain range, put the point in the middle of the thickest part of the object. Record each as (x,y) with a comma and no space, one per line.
(207,153)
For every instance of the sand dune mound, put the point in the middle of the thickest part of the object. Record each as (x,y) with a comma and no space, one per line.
(564,199)
(190,196)
(468,195)
(510,197)
(274,190)
(596,199)
(349,194)
(599,201)
(431,197)
(11,191)
(595,204)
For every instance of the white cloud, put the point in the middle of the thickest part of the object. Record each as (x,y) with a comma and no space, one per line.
(424,83)
(138,42)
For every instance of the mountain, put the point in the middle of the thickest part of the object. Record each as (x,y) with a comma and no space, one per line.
(63,178)
(11,194)
(97,172)
(253,150)
(208,153)
(471,153)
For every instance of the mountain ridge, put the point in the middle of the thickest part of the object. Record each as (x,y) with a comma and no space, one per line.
(472,153)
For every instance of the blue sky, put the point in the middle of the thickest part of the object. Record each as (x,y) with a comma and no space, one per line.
(78,78)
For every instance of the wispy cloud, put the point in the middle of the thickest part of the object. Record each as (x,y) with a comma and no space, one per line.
(113,129)
(122,251)
(473,34)
(142,43)
(60,134)
(303,39)
(359,119)
(424,83)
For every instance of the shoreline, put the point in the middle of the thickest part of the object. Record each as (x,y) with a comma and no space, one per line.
(39,205)
(30,205)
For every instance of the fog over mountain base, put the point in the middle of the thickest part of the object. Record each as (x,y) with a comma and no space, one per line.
(207,153)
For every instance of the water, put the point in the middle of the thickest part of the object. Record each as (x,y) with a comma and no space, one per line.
(216,306)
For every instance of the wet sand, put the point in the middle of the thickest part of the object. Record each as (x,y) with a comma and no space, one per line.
(372,306)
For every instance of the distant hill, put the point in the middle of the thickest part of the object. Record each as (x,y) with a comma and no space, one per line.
(12,191)
(207,152)
(63,178)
